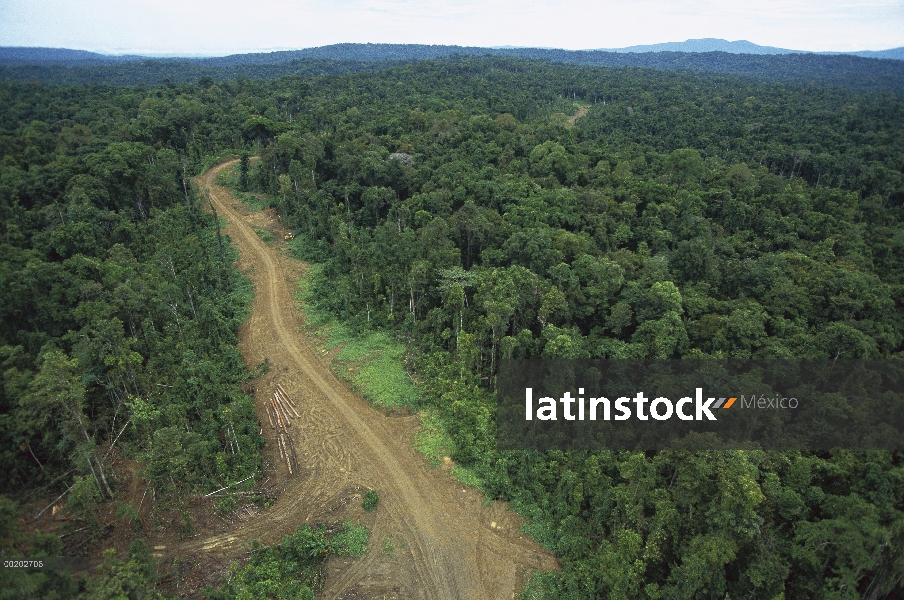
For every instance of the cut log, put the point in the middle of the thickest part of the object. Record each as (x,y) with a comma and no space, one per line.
(282,453)
(282,409)
(294,458)
(291,448)
(283,392)
(288,458)
(287,403)
(278,418)
(59,498)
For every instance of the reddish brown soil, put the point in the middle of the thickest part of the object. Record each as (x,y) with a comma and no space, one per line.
(447,543)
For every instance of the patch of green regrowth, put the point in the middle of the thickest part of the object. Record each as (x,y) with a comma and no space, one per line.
(292,568)
(351,540)
(255,202)
(539,586)
(260,370)
(128,514)
(228,177)
(226,504)
(433,442)
(467,476)
(370,500)
(263,500)
(265,235)
(372,361)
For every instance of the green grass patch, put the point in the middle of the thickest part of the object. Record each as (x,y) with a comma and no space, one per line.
(433,442)
(254,202)
(466,476)
(265,235)
(228,177)
(351,540)
(539,586)
(293,568)
(372,361)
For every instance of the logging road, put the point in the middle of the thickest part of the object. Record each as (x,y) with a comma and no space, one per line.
(446,543)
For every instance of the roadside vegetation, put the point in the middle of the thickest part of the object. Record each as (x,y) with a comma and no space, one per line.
(266,236)
(293,569)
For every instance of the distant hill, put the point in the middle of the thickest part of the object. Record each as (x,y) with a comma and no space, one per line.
(359,52)
(894,53)
(16,56)
(59,56)
(875,72)
(744,47)
(705,45)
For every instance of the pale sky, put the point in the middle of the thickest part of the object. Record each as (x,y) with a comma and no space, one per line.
(229,26)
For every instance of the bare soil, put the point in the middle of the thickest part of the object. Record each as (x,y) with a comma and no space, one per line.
(447,543)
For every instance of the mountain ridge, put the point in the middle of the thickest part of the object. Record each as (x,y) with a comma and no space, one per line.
(80,67)
(706,45)
(745,47)
(23,55)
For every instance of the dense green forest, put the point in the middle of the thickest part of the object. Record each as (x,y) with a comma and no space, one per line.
(119,305)
(120,311)
(458,205)
(60,66)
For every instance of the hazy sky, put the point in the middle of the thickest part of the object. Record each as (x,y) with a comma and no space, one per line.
(228,26)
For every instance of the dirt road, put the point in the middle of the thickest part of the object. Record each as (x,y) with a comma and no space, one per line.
(582,110)
(444,542)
